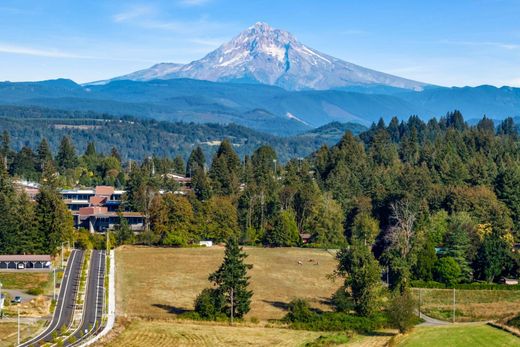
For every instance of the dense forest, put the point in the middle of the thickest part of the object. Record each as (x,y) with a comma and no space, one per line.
(136,138)
(431,201)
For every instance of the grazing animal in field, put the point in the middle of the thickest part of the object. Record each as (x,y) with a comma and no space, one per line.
(300,262)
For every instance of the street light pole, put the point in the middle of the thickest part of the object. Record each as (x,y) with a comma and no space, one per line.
(54,287)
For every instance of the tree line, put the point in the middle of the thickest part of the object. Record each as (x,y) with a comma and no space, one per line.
(436,200)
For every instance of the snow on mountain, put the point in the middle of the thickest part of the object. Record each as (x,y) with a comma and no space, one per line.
(261,54)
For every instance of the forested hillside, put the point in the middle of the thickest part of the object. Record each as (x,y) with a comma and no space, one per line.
(437,200)
(137,138)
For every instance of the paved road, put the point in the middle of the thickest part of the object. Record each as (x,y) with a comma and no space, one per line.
(64,311)
(91,322)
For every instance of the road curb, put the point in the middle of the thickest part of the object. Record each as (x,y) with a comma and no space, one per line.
(111,316)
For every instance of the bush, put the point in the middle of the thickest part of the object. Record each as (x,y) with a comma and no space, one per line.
(35,291)
(329,340)
(209,303)
(299,311)
(401,311)
(514,322)
(339,321)
(342,300)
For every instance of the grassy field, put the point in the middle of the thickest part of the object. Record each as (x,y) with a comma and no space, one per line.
(8,332)
(177,333)
(159,282)
(474,335)
(25,280)
(470,305)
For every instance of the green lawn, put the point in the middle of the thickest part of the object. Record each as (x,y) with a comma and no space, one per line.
(21,280)
(473,335)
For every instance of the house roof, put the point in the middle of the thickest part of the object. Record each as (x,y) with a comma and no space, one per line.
(25,257)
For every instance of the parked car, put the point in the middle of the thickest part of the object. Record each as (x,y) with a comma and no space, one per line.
(21,266)
(17,300)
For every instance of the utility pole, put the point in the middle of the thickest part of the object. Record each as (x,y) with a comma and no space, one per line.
(232,306)
(18,340)
(453,305)
(62,266)
(420,299)
(1,302)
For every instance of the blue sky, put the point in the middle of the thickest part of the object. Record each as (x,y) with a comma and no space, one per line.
(462,42)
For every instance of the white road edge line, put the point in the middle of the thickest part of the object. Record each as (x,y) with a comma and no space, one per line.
(111,301)
(43,335)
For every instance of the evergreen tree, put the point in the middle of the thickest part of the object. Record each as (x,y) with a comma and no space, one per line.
(232,281)
(492,257)
(8,224)
(54,220)
(66,157)
(25,164)
(507,187)
(284,231)
(44,154)
(196,161)
(200,184)
(457,243)
(115,153)
(178,165)
(91,149)
(28,239)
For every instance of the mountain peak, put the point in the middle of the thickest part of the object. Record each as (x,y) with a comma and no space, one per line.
(266,55)
(261,26)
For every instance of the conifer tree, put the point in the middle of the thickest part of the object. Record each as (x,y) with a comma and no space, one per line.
(232,280)
(195,161)
(66,157)
(43,154)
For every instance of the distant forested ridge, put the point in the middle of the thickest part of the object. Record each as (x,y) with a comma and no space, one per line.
(137,138)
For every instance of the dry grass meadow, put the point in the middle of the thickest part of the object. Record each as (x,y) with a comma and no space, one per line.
(155,284)
(159,282)
(470,305)
(8,332)
(178,333)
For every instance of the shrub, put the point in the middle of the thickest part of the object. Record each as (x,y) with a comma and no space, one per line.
(514,322)
(342,300)
(401,311)
(209,303)
(35,291)
(299,311)
(340,321)
(329,340)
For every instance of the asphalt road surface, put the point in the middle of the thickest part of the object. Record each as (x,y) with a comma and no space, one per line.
(64,310)
(91,322)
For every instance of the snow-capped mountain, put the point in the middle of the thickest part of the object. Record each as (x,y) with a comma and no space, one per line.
(261,54)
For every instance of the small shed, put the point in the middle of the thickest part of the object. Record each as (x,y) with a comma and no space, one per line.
(206,243)
(509,281)
(25,261)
